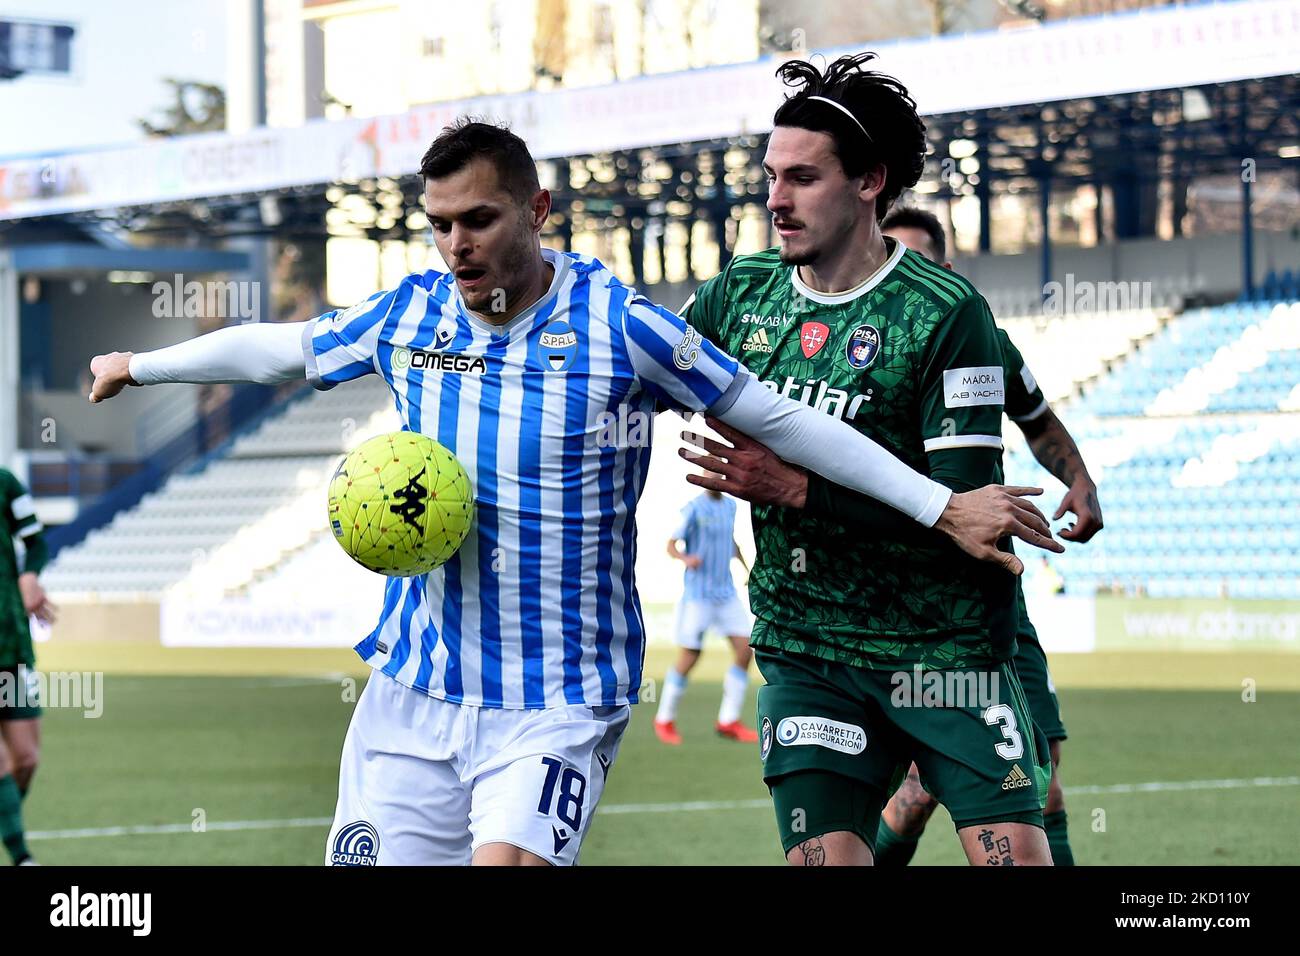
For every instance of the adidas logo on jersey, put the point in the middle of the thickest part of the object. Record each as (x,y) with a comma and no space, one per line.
(757,342)
(1016,779)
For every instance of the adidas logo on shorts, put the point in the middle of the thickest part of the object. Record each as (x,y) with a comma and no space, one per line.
(757,342)
(1016,779)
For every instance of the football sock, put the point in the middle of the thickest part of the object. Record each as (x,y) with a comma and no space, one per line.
(1057,838)
(733,694)
(11,819)
(674,686)
(892,849)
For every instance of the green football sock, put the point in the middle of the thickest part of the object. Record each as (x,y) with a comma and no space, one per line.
(892,849)
(1057,838)
(11,819)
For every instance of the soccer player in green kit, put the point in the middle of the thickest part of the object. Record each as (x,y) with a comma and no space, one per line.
(20,595)
(860,328)
(909,809)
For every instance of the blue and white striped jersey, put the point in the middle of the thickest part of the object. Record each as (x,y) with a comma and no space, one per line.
(708,526)
(538,607)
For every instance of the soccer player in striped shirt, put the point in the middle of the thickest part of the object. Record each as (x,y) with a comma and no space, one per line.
(502,680)
(708,530)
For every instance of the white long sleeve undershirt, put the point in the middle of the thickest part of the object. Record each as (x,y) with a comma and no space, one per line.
(263,352)
(268,353)
(803,436)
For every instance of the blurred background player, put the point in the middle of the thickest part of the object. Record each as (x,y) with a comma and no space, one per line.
(909,809)
(709,600)
(21,596)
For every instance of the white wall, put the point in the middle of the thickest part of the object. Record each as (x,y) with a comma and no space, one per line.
(121,52)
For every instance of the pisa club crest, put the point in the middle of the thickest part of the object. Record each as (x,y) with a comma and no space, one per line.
(557,347)
(863,344)
(812,336)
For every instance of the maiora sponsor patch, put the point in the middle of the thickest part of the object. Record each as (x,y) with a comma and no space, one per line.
(977,385)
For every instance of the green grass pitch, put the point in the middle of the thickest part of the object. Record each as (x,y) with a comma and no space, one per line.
(230,757)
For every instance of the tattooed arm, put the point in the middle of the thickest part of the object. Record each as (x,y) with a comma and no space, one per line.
(1056,451)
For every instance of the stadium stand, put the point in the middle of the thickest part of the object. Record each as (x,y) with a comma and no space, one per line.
(1190,423)
(1194,442)
(235,515)
(1068,351)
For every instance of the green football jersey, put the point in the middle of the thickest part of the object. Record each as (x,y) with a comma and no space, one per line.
(911,359)
(19,521)
(1025,400)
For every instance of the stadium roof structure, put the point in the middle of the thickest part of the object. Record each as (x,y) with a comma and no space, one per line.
(1186,132)
(1078,59)
(1129,141)
(1159,93)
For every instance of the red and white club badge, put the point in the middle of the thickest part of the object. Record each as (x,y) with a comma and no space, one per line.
(812,336)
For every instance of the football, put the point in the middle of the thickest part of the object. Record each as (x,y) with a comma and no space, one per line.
(400,504)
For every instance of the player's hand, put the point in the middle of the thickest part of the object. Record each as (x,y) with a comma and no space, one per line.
(750,470)
(35,601)
(112,374)
(1081,501)
(692,561)
(976,520)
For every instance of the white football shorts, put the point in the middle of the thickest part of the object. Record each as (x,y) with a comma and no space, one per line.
(695,617)
(423,781)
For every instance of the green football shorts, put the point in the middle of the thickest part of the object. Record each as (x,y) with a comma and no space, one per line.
(834,740)
(1035,678)
(19,693)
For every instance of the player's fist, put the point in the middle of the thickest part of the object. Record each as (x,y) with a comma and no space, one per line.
(112,374)
(692,561)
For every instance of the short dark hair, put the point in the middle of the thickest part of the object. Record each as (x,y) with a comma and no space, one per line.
(910,217)
(891,132)
(468,139)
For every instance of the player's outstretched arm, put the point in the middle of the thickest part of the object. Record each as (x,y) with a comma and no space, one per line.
(975,520)
(1055,449)
(265,353)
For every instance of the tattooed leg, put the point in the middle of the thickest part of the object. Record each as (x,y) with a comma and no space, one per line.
(814,853)
(839,848)
(910,808)
(1005,844)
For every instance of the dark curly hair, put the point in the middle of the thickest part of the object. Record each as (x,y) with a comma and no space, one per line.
(892,133)
(469,138)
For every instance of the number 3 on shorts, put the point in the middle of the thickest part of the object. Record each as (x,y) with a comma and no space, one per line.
(572,787)
(1003,714)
